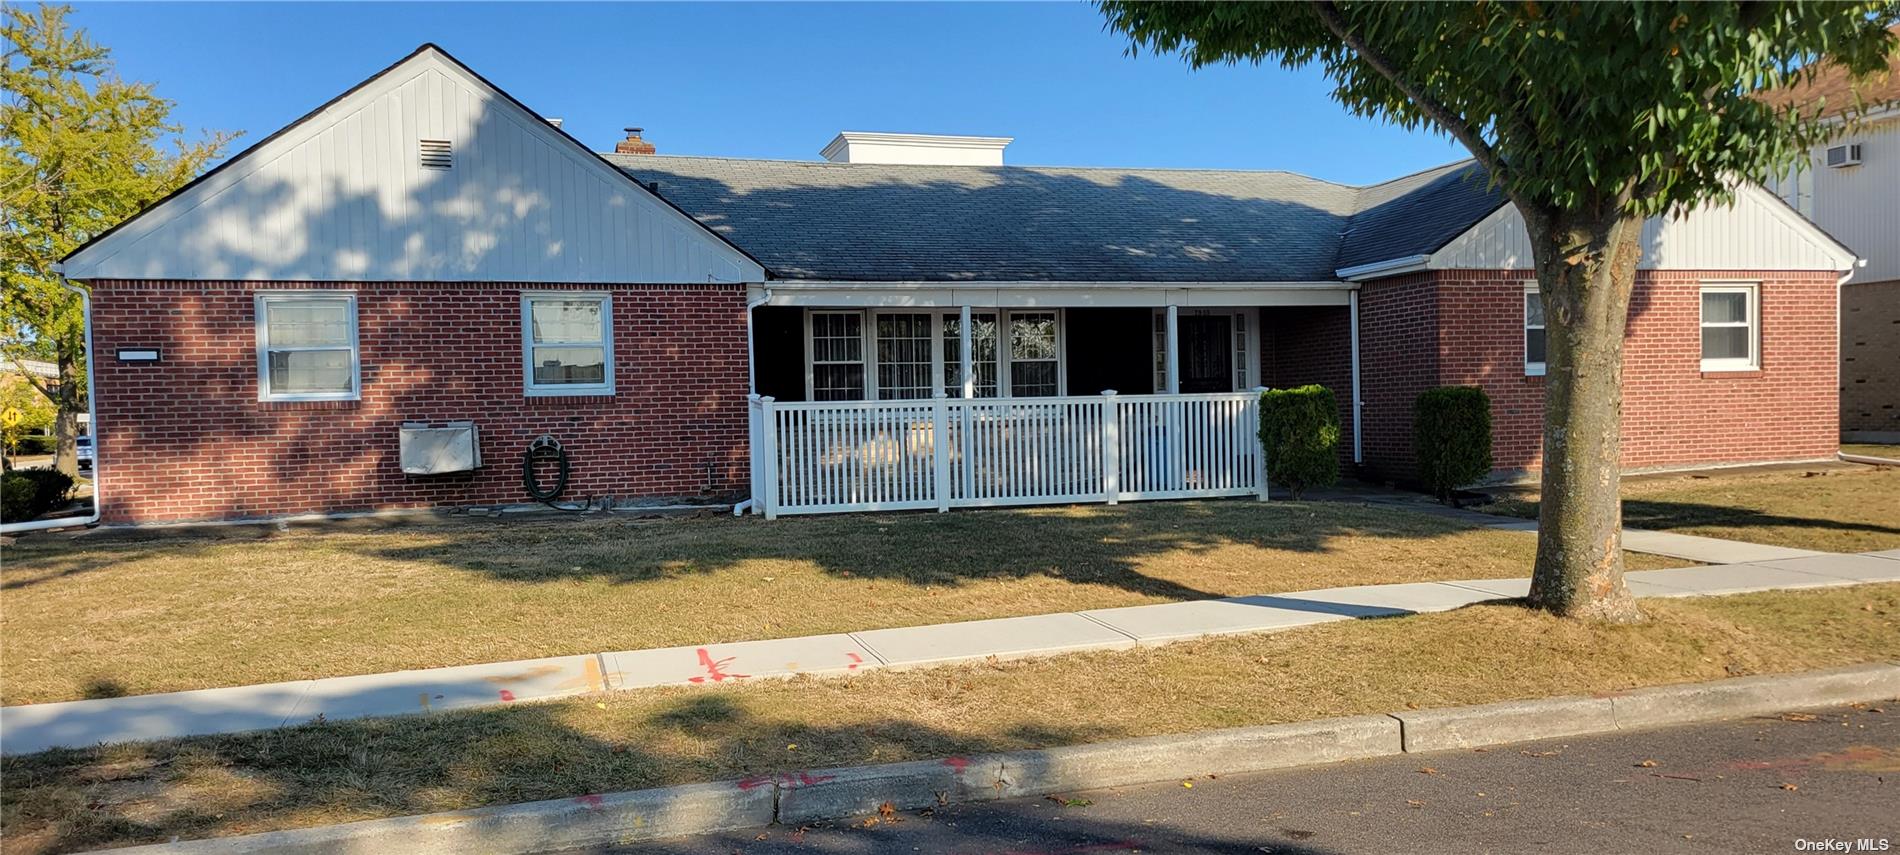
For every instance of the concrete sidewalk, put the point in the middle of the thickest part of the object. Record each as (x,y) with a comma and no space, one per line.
(36,727)
(1689,547)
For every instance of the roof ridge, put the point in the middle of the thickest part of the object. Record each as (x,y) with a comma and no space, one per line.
(630,158)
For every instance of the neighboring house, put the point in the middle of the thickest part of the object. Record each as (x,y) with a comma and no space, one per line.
(426,250)
(1851,188)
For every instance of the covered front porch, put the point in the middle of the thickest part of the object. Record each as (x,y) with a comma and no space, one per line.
(888,398)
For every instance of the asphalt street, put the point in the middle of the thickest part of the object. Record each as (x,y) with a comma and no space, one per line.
(1768,785)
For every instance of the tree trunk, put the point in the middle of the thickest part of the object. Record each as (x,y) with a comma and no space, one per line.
(66,422)
(1586,269)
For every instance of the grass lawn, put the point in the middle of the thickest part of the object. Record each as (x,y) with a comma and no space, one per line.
(109,614)
(1833,508)
(341,771)
(1890,452)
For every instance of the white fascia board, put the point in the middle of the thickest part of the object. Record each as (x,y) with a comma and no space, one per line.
(1389,267)
(934,295)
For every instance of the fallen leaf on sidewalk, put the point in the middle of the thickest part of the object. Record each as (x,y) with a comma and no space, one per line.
(1529,753)
(1789,787)
(1188,784)
(1647,764)
(887,811)
(1427,770)
(1415,804)
(1798,716)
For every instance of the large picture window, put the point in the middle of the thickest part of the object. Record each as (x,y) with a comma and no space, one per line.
(567,344)
(837,356)
(1533,332)
(306,346)
(1730,328)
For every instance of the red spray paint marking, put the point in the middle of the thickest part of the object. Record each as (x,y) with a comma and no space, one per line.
(507,695)
(784,779)
(957,764)
(715,669)
(855,661)
(592,801)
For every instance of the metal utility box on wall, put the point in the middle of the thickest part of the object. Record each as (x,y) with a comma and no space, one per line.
(454,447)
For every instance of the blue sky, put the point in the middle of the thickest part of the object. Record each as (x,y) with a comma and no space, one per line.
(773,80)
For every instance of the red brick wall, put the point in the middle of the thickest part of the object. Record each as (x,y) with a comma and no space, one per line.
(1310,344)
(1673,413)
(188,439)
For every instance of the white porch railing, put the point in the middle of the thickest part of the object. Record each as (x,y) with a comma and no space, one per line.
(947,453)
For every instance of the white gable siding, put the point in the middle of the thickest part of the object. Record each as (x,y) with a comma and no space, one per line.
(342,196)
(1757,233)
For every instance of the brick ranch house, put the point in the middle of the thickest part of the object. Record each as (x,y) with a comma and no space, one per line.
(425,251)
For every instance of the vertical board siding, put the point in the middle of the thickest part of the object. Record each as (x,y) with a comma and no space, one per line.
(343,197)
(873,456)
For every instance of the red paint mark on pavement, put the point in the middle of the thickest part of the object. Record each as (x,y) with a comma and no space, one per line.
(856,660)
(591,800)
(784,779)
(507,695)
(715,669)
(958,764)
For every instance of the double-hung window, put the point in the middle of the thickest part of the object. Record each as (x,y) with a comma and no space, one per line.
(1731,317)
(837,356)
(1533,332)
(306,346)
(1032,354)
(567,343)
(982,353)
(903,355)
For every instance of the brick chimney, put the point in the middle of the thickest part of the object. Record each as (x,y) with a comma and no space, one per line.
(633,144)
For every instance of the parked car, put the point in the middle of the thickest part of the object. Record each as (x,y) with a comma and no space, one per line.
(83,445)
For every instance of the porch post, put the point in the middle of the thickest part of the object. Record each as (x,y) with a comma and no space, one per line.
(1111,447)
(765,459)
(1260,459)
(1174,349)
(940,448)
(1352,308)
(967,353)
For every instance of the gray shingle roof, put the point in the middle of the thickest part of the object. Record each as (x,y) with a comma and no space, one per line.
(874,222)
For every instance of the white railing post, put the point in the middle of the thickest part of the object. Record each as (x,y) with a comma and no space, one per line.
(940,448)
(1174,350)
(1260,457)
(1111,447)
(765,459)
(966,353)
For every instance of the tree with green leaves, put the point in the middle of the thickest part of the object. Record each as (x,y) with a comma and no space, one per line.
(1591,118)
(80,150)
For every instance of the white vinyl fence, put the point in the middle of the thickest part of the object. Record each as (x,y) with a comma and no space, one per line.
(944,453)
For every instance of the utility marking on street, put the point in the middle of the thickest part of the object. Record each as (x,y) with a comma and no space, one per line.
(957,764)
(507,695)
(856,660)
(591,801)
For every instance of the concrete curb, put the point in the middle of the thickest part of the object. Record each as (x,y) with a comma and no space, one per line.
(795,798)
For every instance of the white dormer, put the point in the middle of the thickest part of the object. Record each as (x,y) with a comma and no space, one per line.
(925,149)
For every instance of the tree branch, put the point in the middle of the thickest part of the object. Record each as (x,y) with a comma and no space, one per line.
(1451,122)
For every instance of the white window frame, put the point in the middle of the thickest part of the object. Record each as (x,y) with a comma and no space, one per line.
(867,327)
(1532,369)
(551,390)
(1006,353)
(260,303)
(1752,293)
(1246,325)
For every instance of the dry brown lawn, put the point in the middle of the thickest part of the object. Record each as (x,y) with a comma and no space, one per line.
(110,614)
(1829,507)
(341,771)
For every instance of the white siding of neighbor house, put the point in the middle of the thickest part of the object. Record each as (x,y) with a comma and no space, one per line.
(1860,205)
(343,197)
(1758,232)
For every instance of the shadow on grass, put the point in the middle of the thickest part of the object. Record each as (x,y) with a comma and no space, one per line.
(325,772)
(1083,545)
(1663,515)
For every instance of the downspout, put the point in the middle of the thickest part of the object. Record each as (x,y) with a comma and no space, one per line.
(1352,308)
(1840,294)
(92,421)
(751,378)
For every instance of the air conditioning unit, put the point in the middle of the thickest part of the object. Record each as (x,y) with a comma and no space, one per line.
(1843,155)
(454,447)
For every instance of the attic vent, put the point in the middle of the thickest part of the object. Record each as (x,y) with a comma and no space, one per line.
(436,154)
(1843,155)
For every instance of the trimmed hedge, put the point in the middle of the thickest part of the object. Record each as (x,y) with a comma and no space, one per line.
(1451,432)
(28,493)
(36,444)
(1299,430)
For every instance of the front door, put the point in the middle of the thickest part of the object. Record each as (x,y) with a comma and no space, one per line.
(1207,353)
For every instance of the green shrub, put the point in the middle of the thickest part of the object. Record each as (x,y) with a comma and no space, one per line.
(36,444)
(1299,430)
(1451,432)
(28,493)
